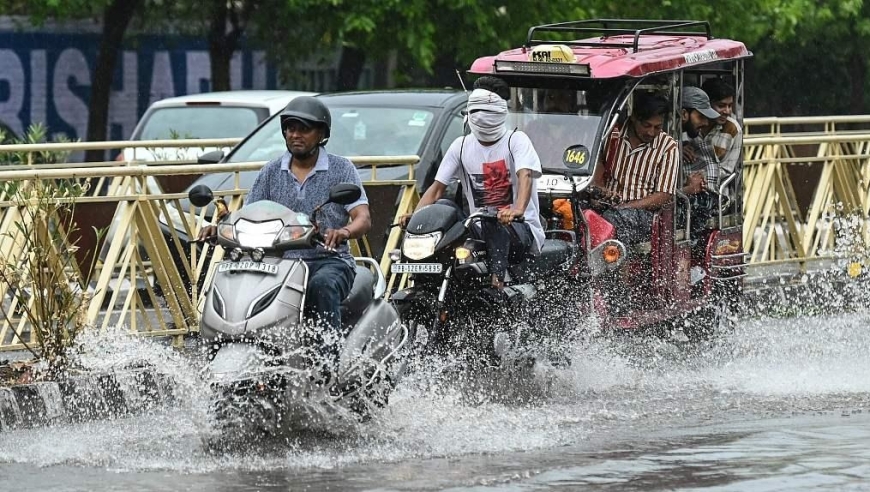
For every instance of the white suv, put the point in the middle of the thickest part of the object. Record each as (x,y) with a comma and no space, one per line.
(231,114)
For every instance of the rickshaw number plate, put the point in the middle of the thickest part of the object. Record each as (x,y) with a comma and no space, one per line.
(248,266)
(415,268)
(555,183)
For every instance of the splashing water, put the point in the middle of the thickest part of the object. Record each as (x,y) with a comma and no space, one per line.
(765,367)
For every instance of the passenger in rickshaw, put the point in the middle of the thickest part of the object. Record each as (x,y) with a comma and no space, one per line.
(725,137)
(641,166)
(699,160)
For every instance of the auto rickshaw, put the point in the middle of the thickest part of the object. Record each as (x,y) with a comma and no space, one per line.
(572,85)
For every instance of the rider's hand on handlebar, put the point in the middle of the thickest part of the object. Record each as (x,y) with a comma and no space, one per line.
(332,238)
(206,233)
(403,220)
(508,215)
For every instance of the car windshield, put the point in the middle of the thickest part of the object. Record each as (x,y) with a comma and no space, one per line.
(558,119)
(200,122)
(356,131)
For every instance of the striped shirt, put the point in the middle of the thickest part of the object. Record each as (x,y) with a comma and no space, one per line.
(636,173)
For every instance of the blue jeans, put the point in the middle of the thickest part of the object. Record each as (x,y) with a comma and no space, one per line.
(329,283)
(505,244)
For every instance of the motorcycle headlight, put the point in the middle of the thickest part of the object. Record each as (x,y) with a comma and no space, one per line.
(419,246)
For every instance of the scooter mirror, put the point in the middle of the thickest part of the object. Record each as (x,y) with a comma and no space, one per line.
(200,195)
(344,193)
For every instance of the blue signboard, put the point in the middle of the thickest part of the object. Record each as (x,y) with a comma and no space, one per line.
(46,77)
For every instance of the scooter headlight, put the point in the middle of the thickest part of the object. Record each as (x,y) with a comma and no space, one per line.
(258,234)
(419,246)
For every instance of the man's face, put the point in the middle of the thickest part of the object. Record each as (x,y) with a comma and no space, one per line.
(725,107)
(647,130)
(301,138)
(694,122)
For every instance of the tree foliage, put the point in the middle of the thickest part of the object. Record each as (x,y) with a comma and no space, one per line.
(432,38)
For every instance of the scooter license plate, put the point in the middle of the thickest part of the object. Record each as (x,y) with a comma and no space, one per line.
(415,268)
(248,266)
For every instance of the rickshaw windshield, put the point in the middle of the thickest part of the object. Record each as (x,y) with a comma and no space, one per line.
(562,123)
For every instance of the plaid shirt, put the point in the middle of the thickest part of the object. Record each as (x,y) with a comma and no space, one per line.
(706,161)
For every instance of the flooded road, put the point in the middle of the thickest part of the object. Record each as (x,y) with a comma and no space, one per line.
(779,404)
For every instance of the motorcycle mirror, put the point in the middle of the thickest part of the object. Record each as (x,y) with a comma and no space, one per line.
(200,195)
(344,193)
(212,157)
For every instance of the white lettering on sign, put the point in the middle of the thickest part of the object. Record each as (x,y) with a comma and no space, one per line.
(198,72)
(259,68)
(161,78)
(71,70)
(47,78)
(701,56)
(236,71)
(12,76)
(38,86)
(123,106)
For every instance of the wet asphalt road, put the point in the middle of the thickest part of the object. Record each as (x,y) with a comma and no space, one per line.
(779,404)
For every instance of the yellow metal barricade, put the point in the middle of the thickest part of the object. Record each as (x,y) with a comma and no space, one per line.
(146,280)
(801,176)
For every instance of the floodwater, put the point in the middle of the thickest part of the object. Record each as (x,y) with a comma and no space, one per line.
(777,404)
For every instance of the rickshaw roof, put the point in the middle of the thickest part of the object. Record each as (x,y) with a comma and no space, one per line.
(622,51)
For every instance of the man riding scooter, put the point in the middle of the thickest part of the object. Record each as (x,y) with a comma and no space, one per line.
(301,179)
(498,171)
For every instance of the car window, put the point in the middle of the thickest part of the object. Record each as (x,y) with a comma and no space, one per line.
(378,131)
(355,132)
(455,129)
(200,122)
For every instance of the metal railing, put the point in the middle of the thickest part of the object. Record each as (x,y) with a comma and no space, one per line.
(797,185)
(147,278)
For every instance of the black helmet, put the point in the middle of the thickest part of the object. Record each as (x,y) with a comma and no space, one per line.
(309,110)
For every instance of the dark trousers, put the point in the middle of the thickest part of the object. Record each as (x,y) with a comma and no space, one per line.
(505,245)
(329,283)
(633,225)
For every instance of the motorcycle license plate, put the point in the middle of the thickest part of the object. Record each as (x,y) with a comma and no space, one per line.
(415,268)
(248,266)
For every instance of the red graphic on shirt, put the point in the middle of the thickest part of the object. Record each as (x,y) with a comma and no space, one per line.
(493,188)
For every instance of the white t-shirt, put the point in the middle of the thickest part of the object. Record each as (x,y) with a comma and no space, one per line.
(490,176)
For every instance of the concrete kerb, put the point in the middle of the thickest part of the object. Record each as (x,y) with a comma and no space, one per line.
(83,398)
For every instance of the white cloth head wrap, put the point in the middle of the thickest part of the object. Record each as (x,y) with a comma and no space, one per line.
(487,114)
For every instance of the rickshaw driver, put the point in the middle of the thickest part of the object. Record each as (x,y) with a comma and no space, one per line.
(552,132)
(641,166)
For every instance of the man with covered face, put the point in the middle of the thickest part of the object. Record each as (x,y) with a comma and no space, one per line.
(498,171)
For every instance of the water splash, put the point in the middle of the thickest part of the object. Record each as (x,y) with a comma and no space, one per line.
(764,367)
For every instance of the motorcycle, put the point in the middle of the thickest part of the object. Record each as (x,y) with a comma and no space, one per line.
(266,374)
(451,304)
